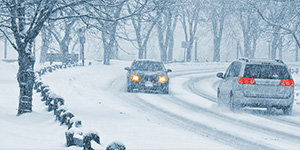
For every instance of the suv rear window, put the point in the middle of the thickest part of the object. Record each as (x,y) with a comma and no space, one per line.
(266,71)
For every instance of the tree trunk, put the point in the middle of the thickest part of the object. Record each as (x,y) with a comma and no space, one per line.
(247,46)
(106,49)
(25,78)
(23,45)
(218,24)
(276,37)
(171,47)
(280,48)
(162,46)
(196,50)
(65,51)
(297,53)
(45,45)
(254,42)
(217,42)
(189,51)
(5,48)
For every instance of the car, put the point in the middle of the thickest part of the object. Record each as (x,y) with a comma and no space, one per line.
(261,83)
(148,76)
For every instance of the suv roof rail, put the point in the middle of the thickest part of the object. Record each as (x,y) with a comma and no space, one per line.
(244,59)
(278,60)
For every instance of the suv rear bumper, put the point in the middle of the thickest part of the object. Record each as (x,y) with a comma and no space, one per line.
(266,102)
(243,101)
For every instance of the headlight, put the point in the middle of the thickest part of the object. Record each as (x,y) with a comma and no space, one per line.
(135,78)
(162,79)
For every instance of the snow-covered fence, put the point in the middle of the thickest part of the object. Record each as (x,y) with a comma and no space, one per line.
(74,133)
(116,146)
(87,138)
(61,109)
(74,136)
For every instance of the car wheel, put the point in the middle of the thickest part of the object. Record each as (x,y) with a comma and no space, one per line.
(287,110)
(233,106)
(165,90)
(129,89)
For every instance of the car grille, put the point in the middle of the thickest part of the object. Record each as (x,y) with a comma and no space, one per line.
(151,78)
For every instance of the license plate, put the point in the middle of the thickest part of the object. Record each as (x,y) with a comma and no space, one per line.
(148,84)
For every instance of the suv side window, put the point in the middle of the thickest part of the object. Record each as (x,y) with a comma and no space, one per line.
(227,71)
(233,70)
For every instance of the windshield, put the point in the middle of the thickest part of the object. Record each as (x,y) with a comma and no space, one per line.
(266,71)
(147,66)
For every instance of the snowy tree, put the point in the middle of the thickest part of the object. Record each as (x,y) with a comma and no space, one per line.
(217,10)
(46,39)
(249,21)
(189,18)
(25,19)
(281,18)
(109,26)
(167,10)
(62,32)
(143,24)
(105,17)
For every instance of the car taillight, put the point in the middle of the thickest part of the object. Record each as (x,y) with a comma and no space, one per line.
(243,80)
(287,82)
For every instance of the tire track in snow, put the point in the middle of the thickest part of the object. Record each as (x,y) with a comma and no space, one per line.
(191,85)
(239,122)
(194,126)
(204,130)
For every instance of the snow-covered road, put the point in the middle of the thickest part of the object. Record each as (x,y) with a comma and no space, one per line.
(187,118)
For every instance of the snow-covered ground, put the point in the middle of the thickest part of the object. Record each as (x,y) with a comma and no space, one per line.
(187,118)
(36,130)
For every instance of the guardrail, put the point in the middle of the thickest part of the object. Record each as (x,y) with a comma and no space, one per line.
(74,134)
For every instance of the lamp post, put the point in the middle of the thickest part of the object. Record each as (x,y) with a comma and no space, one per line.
(81,36)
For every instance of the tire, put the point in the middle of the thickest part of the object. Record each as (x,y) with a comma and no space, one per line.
(129,89)
(165,90)
(233,107)
(287,110)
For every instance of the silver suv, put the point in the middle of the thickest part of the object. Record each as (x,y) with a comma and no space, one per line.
(259,83)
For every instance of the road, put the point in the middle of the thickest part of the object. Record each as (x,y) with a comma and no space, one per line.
(189,110)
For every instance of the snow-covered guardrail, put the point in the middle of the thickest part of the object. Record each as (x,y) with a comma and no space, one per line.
(74,134)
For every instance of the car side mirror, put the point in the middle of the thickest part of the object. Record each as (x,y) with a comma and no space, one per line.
(127,68)
(169,70)
(220,75)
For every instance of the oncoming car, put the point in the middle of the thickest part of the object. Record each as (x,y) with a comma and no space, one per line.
(259,83)
(148,76)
